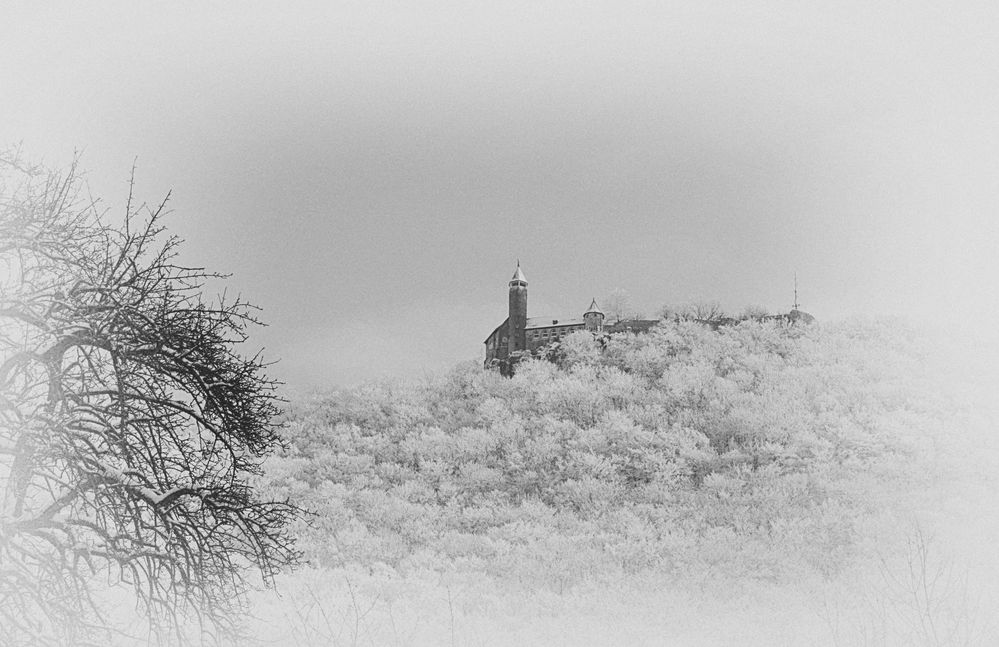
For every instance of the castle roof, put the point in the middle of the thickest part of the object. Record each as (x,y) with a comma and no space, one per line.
(548,322)
(505,324)
(518,275)
(594,308)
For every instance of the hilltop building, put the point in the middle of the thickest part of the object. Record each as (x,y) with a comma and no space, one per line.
(520,334)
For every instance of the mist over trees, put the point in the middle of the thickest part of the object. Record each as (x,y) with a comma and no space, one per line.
(755,451)
(130,425)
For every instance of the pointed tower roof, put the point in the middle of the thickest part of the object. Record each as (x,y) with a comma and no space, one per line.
(593,308)
(518,275)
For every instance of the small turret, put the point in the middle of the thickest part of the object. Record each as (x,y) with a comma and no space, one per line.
(594,317)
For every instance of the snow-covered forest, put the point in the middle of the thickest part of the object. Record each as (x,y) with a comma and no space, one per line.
(759,484)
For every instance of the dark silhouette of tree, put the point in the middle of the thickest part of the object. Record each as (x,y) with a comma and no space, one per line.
(706,311)
(130,426)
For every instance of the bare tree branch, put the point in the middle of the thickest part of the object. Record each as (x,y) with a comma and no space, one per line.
(129,424)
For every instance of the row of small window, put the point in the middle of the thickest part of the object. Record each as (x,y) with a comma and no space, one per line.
(553,334)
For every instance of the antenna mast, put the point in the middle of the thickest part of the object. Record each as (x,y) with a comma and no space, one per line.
(795,290)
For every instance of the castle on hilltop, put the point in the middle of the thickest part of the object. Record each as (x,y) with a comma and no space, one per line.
(522,335)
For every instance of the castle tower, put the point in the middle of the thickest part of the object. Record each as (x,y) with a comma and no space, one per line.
(594,317)
(518,312)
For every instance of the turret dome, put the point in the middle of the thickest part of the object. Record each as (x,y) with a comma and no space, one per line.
(519,275)
(594,308)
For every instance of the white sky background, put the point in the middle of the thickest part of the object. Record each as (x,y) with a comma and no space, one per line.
(370,172)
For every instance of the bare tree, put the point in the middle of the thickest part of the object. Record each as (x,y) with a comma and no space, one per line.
(617,306)
(130,428)
(670,312)
(706,311)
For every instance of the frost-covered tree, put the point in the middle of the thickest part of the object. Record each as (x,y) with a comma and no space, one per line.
(751,450)
(754,311)
(130,426)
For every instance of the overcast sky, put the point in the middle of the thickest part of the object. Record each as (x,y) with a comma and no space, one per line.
(370,172)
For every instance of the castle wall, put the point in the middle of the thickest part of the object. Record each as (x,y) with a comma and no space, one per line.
(497,343)
(538,337)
